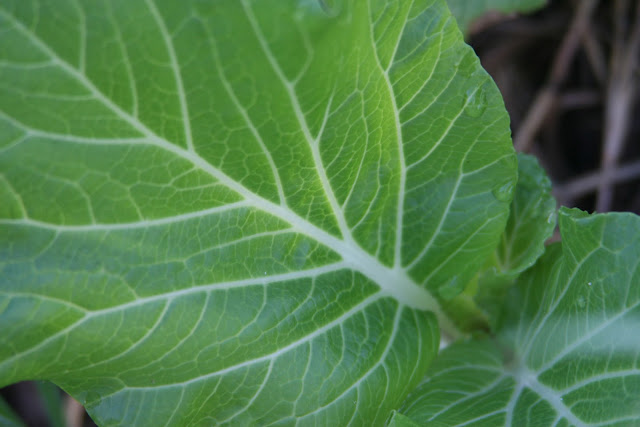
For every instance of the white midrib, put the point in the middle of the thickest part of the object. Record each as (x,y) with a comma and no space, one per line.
(184,109)
(526,378)
(393,282)
(295,105)
(530,380)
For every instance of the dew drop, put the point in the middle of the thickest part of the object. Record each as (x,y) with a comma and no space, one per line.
(589,284)
(314,13)
(450,289)
(475,102)
(581,302)
(504,193)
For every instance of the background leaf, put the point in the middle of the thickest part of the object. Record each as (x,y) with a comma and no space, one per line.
(209,204)
(7,417)
(566,353)
(531,222)
(399,420)
(49,394)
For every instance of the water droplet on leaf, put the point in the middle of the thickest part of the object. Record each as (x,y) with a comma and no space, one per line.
(314,13)
(450,289)
(330,7)
(589,284)
(504,193)
(475,102)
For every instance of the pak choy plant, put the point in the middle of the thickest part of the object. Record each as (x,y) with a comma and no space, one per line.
(274,212)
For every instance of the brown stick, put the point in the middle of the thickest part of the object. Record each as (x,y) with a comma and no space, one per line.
(619,101)
(74,412)
(579,99)
(595,56)
(589,183)
(546,96)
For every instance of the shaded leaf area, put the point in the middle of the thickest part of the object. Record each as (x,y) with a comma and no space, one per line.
(566,353)
(206,205)
(398,420)
(531,222)
(466,11)
(7,417)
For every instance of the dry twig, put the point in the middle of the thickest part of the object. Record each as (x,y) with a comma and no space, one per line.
(74,412)
(585,184)
(545,99)
(579,99)
(619,103)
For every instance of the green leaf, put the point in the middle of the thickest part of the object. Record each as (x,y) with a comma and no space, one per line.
(531,222)
(399,420)
(49,394)
(466,11)
(8,418)
(567,352)
(465,384)
(240,212)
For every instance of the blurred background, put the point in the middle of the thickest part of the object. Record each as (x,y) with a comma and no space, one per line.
(569,73)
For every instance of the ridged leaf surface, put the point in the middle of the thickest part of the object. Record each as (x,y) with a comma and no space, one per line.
(566,353)
(239,211)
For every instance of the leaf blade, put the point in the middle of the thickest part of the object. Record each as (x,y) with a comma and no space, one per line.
(196,264)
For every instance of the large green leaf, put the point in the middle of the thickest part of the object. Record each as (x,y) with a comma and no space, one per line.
(567,352)
(235,211)
(466,11)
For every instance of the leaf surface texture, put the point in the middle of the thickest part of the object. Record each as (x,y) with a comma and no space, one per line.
(209,204)
(566,353)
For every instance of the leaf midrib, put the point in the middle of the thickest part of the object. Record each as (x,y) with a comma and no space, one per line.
(527,379)
(393,282)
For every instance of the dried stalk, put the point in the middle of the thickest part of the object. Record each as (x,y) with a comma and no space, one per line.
(619,100)
(545,99)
